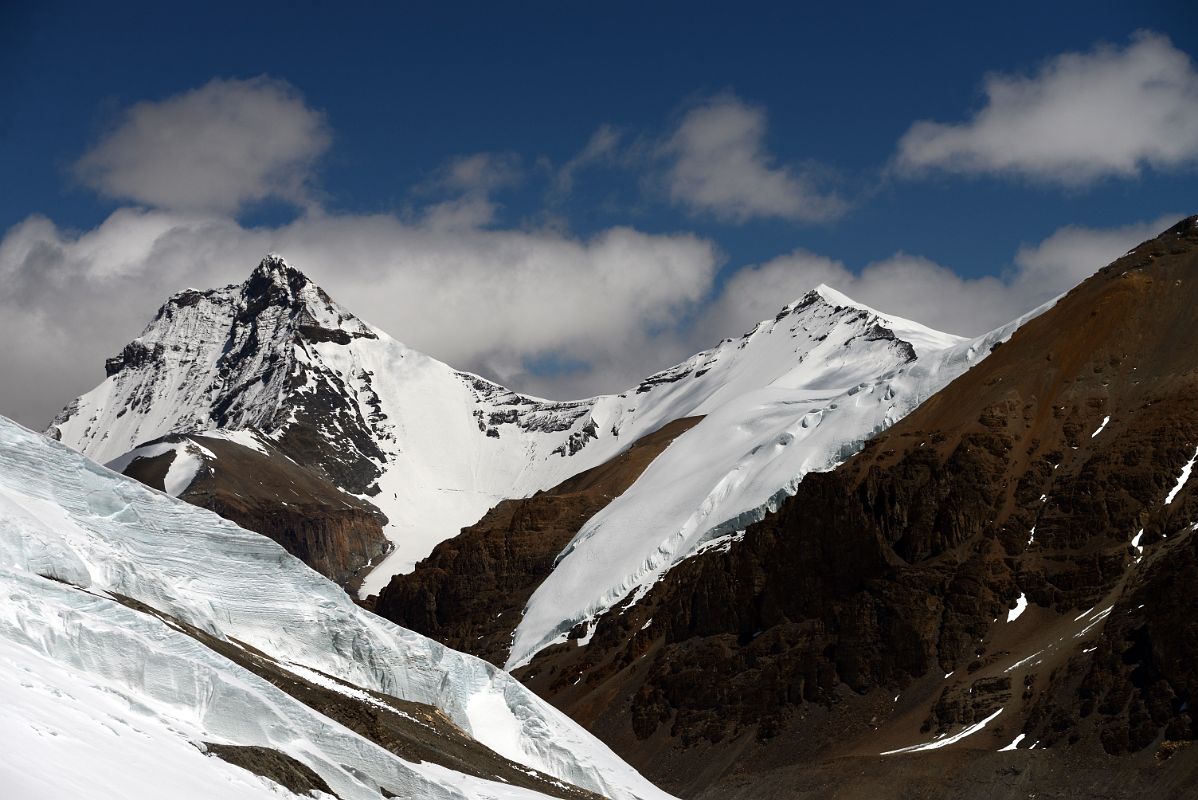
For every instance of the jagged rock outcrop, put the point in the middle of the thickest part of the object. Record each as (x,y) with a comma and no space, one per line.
(237,357)
(1016,552)
(470,592)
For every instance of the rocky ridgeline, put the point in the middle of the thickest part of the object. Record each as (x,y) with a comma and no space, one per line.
(1016,547)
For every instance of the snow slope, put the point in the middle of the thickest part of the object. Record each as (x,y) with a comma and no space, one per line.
(88,682)
(432,447)
(99,701)
(738,463)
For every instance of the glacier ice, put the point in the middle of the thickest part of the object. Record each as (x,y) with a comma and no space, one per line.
(66,520)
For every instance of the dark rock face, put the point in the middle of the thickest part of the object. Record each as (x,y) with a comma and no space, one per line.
(134,354)
(1028,476)
(329,433)
(270,763)
(336,542)
(469,593)
(336,534)
(1136,689)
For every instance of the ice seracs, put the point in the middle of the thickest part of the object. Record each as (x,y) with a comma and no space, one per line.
(80,546)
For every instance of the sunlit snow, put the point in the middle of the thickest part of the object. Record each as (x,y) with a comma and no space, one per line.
(822,395)
(1020,606)
(1181,480)
(80,525)
(946,741)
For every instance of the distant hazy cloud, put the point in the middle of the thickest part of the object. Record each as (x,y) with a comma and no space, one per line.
(922,290)
(480,172)
(1082,116)
(469,181)
(600,148)
(719,165)
(215,148)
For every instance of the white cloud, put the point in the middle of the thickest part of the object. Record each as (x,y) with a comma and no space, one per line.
(1082,116)
(218,147)
(471,180)
(484,300)
(600,148)
(922,290)
(1074,252)
(720,166)
(479,299)
(480,172)
(440,278)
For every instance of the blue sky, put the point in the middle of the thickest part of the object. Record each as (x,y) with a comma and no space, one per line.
(479,109)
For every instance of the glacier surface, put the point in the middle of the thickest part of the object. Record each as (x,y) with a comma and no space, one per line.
(73,533)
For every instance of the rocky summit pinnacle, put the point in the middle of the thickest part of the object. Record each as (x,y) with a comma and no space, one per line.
(233,357)
(273,269)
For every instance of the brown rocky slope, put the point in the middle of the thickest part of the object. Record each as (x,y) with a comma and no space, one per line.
(876,610)
(263,490)
(470,591)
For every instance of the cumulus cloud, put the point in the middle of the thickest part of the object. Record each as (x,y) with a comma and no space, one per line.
(215,148)
(720,165)
(922,290)
(1111,111)
(485,300)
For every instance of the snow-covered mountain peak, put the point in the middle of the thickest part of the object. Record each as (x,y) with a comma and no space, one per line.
(823,340)
(274,262)
(275,278)
(433,447)
(274,267)
(799,393)
(826,294)
(833,296)
(274,282)
(919,336)
(234,357)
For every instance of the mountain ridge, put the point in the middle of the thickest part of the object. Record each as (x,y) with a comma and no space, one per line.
(432,447)
(997,571)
